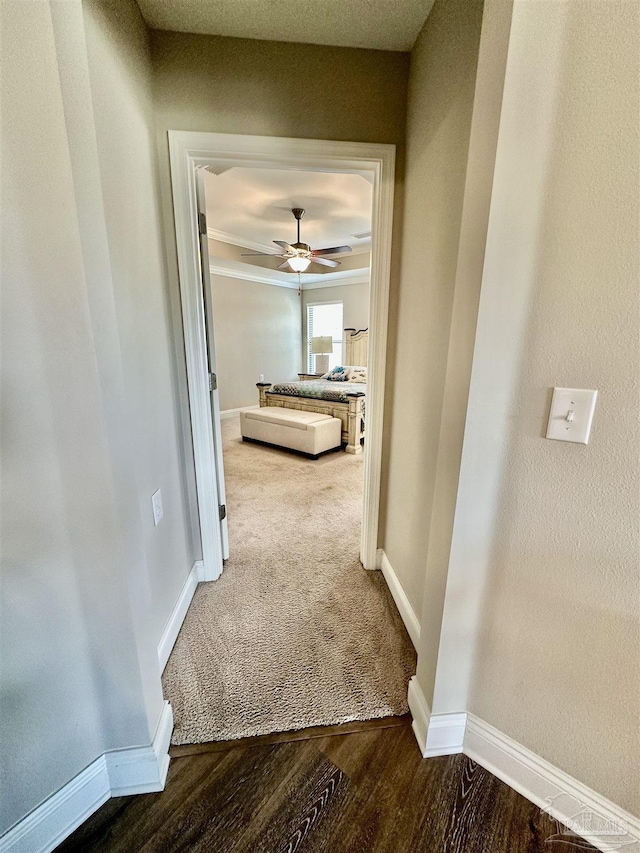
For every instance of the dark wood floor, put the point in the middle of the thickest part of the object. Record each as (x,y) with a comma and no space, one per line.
(362,792)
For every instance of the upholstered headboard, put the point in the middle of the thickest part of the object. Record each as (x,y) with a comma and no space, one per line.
(356,346)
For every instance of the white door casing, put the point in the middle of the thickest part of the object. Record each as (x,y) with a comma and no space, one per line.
(212,369)
(189,150)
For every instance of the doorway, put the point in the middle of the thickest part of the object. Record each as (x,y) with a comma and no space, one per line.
(280,336)
(190,152)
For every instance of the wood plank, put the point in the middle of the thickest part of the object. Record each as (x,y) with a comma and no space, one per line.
(298,808)
(218,811)
(362,792)
(381,774)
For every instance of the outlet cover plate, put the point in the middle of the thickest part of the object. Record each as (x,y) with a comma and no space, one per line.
(156,503)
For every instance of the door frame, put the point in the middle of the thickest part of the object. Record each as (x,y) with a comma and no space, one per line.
(189,151)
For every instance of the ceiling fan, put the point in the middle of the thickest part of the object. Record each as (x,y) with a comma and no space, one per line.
(299,255)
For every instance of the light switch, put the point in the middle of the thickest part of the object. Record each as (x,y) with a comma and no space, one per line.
(571,414)
(156,503)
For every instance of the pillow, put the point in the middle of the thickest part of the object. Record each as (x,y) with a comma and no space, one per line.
(336,374)
(358,375)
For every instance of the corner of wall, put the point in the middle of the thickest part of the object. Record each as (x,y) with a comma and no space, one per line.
(119,773)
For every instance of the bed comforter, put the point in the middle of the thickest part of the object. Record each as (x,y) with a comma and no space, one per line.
(320,389)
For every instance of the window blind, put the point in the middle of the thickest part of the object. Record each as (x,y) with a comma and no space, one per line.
(325,319)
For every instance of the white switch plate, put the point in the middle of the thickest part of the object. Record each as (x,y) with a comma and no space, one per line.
(571,414)
(156,503)
(261,378)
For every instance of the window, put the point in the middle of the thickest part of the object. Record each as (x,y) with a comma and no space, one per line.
(324,319)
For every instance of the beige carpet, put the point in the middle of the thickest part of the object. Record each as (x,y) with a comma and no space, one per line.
(295,633)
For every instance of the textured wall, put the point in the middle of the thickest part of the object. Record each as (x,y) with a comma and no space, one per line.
(440,104)
(546,537)
(229,85)
(257,330)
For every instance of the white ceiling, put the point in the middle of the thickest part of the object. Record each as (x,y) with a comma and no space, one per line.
(252,207)
(379,24)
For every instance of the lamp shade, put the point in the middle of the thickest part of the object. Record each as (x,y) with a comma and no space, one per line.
(319,346)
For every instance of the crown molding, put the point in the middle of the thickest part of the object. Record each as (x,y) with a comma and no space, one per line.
(242,242)
(235,269)
(347,277)
(243,271)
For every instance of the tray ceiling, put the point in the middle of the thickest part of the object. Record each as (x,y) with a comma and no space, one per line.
(379,24)
(252,207)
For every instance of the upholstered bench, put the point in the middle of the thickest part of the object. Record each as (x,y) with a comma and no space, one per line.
(306,432)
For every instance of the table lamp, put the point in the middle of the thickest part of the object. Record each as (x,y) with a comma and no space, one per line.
(320,347)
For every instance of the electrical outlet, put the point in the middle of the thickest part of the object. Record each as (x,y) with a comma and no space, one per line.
(156,503)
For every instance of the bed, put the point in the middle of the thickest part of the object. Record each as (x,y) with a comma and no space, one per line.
(344,400)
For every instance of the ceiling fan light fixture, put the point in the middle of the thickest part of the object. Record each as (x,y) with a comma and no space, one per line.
(299,264)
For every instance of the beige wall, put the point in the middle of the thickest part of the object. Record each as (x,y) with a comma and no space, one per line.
(355,306)
(120,68)
(441,89)
(546,533)
(225,85)
(257,330)
(229,85)
(436,637)
(540,635)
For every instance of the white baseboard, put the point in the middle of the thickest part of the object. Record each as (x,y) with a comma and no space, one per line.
(113,774)
(437,734)
(588,814)
(445,735)
(174,623)
(411,621)
(420,712)
(50,823)
(229,413)
(591,816)
(143,769)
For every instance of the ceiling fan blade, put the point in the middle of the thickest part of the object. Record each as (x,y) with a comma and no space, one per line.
(326,262)
(334,250)
(285,246)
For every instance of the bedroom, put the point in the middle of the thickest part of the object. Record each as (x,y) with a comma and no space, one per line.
(264,314)
(268,646)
